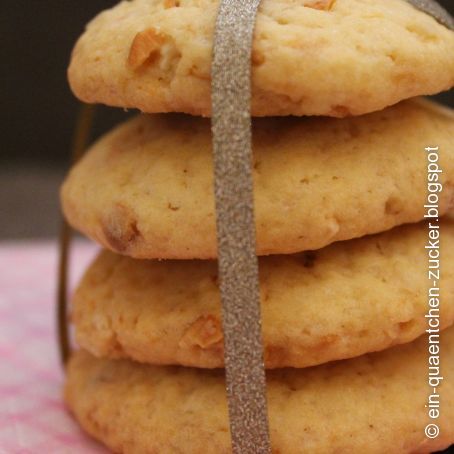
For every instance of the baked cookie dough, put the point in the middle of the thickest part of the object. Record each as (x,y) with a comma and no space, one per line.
(310,57)
(146,189)
(373,404)
(348,299)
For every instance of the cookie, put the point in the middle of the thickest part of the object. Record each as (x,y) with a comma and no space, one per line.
(373,404)
(146,189)
(348,299)
(310,57)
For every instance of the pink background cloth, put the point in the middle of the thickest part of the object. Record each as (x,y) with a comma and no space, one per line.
(33,418)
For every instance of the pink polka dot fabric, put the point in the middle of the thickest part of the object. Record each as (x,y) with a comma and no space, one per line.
(33,418)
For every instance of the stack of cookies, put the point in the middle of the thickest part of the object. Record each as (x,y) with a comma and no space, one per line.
(340,217)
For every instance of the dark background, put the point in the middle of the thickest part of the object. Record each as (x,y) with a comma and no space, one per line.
(38,111)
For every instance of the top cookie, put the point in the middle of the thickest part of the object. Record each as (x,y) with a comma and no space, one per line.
(310,57)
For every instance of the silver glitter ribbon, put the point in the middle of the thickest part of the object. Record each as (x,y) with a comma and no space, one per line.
(435,10)
(238,265)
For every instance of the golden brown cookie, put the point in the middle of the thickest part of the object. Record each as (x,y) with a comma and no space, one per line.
(348,299)
(373,404)
(146,189)
(310,57)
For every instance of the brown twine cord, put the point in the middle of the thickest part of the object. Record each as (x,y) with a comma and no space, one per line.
(81,137)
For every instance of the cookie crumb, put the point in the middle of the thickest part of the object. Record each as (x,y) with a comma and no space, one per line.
(172,207)
(145,47)
(120,228)
(340,111)
(171,4)
(324,5)
(205,332)
(257,58)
